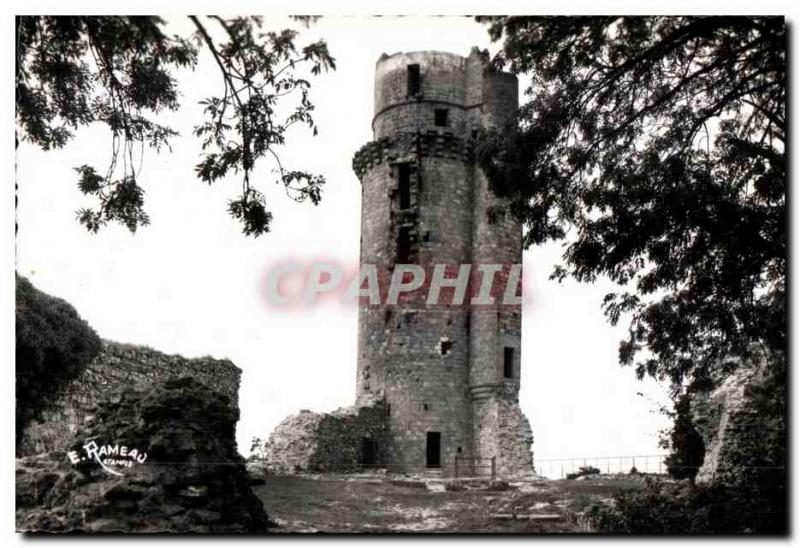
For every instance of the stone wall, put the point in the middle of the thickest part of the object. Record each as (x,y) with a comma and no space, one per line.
(192,480)
(735,427)
(325,442)
(119,365)
(502,430)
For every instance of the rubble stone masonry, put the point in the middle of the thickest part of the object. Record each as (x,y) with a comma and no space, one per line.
(450,374)
(437,383)
(326,442)
(119,365)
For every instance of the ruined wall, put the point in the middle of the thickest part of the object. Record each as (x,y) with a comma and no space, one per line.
(742,437)
(193,479)
(120,365)
(503,431)
(326,442)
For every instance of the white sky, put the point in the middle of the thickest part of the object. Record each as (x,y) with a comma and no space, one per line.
(191,282)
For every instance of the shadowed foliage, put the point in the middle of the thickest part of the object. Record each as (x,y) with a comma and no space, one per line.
(685,442)
(681,509)
(120,72)
(654,146)
(53,346)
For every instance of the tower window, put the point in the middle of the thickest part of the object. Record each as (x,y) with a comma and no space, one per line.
(440,117)
(413,79)
(404,245)
(404,175)
(445,347)
(508,362)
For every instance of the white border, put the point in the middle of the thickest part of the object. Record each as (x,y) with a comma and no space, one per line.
(419,7)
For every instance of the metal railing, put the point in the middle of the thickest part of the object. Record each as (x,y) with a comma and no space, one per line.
(475,467)
(561,468)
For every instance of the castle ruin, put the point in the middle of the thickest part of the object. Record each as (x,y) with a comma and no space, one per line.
(450,375)
(118,365)
(447,377)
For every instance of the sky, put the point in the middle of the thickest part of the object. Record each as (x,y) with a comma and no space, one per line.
(191,283)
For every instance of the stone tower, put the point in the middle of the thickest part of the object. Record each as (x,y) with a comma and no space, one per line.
(450,375)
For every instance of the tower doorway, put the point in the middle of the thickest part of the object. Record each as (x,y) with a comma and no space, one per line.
(369,452)
(433,450)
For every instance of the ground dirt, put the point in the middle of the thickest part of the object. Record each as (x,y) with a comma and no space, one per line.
(384,504)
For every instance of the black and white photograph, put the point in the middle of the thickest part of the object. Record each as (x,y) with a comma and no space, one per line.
(398,275)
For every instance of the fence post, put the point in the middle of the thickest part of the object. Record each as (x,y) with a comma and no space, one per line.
(493,468)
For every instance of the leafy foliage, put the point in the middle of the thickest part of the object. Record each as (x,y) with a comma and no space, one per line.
(120,71)
(686,444)
(241,125)
(53,346)
(74,71)
(655,147)
(583,471)
(677,508)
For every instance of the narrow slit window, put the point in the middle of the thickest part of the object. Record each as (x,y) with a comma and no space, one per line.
(440,117)
(404,245)
(404,183)
(413,79)
(508,362)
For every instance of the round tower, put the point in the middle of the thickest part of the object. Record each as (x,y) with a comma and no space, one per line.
(424,203)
